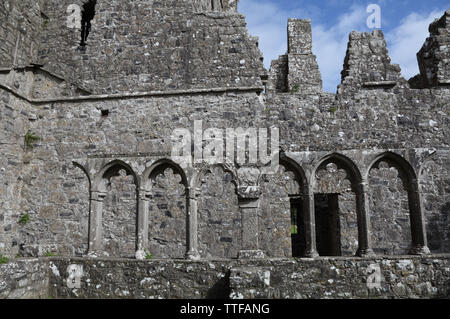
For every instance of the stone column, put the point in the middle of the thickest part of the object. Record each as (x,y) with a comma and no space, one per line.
(142,224)
(310,224)
(249,205)
(95,224)
(417,217)
(364,226)
(303,71)
(192,227)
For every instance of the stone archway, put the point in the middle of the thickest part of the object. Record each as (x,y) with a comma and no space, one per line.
(114,211)
(398,175)
(339,187)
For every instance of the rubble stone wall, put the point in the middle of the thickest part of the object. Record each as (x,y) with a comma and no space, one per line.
(284,278)
(86,141)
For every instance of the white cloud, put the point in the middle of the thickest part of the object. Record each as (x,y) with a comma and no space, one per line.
(330,45)
(268,20)
(406,40)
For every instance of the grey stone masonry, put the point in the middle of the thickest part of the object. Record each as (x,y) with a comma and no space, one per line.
(381,277)
(434,57)
(25,279)
(402,277)
(367,63)
(150,46)
(90,110)
(298,71)
(20,27)
(303,71)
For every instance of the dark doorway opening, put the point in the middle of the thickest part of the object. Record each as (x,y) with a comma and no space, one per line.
(297,228)
(87,14)
(328,228)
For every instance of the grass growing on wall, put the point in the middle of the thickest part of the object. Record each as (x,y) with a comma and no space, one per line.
(24,219)
(3,260)
(30,139)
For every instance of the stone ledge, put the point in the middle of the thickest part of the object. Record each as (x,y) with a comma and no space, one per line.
(444,82)
(132,95)
(267,260)
(379,84)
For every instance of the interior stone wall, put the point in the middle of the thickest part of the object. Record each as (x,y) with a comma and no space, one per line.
(168,215)
(275,212)
(389,213)
(435,185)
(151,46)
(20,27)
(119,216)
(219,221)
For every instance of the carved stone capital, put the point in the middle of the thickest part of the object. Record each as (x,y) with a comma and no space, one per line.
(249,192)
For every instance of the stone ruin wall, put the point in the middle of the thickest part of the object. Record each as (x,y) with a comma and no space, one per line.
(55,180)
(403,277)
(128,40)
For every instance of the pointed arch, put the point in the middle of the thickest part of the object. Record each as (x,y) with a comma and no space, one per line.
(85,171)
(341,217)
(281,226)
(343,162)
(293,166)
(83,207)
(165,209)
(398,162)
(112,169)
(98,203)
(161,165)
(410,181)
(195,182)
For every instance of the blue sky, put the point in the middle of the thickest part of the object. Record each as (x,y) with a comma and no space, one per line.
(404,23)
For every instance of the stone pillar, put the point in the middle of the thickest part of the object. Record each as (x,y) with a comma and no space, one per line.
(249,204)
(142,225)
(364,227)
(192,227)
(418,231)
(310,225)
(303,71)
(95,224)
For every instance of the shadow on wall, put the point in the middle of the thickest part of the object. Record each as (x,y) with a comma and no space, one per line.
(221,289)
(436,236)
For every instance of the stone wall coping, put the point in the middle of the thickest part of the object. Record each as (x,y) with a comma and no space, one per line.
(131,95)
(237,261)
